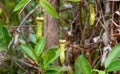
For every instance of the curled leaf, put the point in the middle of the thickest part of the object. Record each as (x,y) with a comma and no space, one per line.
(92,15)
(62,50)
(0,11)
(39,27)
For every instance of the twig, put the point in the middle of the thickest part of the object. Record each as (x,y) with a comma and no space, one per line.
(96,59)
(80,17)
(105,37)
(63,30)
(11,42)
(15,39)
(22,22)
(26,26)
(76,46)
(114,23)
(84,31)
(98,21)
(117,34)
(65,9)
(24,6)
(102,25)
(22,61)
(27,64)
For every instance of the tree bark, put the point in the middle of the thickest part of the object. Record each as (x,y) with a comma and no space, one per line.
(51,27)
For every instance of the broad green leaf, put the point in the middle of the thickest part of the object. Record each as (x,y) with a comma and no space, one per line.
(5,34)
(114,66)
(92,15)
(49,8)
(113,55)
(54,68)
(49,56)
(82,66)
(57,51)
(41,62)
(52,72)
(58,69)
(57,54)
(20,5)
(74,0)
(0,11)
(28,50)
(40,46)
(101,72)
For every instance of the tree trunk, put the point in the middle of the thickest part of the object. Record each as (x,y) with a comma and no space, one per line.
(51,28)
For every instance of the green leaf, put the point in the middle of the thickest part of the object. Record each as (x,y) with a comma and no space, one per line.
(74,0)
(82,66)
(40,46)
(113,55)
(28,50)
(20,5)
(49,56)
(56,55)
(52,72)
(41,62)
(49,8)
(54,68)
(114,66)
(99,71)
(5,34)
(57,69)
